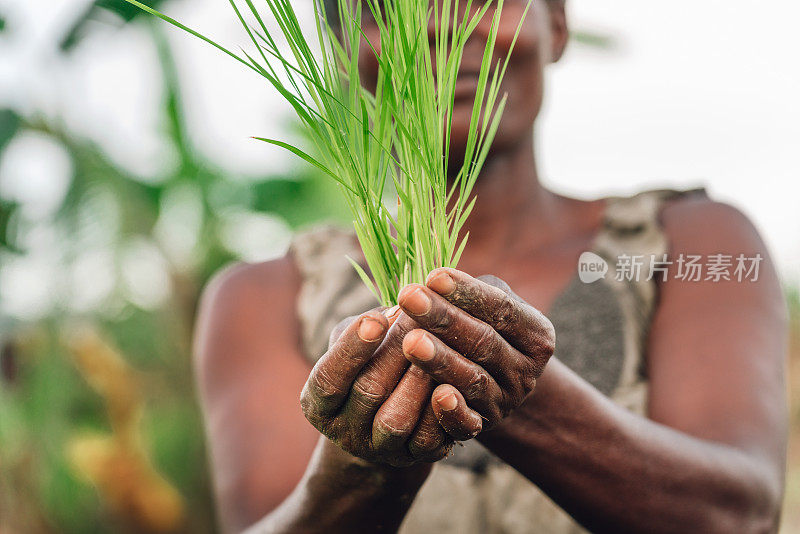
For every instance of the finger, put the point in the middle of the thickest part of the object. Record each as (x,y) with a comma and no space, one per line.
(452,412)
(392,313)
(429,442)
(379,376)
(339,329)
(493,302)
(446,366)
(467,335)
(399,415)
(332,377)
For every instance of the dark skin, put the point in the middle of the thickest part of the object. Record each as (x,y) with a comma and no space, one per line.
(380,405)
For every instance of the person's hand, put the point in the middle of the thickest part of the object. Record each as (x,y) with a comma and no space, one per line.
(364,396)
(482,344)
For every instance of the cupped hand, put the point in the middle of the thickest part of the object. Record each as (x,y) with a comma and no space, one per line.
(481,343)
(364,395)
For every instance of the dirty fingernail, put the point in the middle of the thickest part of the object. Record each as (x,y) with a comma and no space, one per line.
(448,402)
(416,302)
(370,329)
(391,312)
(442,283)
(423,350)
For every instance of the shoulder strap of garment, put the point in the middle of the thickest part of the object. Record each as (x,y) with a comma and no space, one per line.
(330,290)
(632,234)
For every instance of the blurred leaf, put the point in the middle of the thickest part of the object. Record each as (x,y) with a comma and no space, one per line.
(173,103)
(2,23)
(594,39)
(9,124)
(125,10)
(7,212)
(121,9)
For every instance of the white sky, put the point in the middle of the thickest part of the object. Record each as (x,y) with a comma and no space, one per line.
(697,92)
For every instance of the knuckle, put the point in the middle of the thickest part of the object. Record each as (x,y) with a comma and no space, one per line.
(513,397)
(527,378)
(313,414)
(390,427)
(308,405)
(368,391)
(516,390)
(484,343)
(541,343)
(441,320)
(506,314)
(385,435)
(309,402)
(477,386)
(548,337)
(440,364)
(324,386)
(545,345)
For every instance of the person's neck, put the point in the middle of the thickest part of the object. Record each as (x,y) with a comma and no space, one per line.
(510,202)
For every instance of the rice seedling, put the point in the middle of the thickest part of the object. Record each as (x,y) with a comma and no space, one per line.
(396,134)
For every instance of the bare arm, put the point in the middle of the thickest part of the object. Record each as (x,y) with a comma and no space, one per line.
(249,374)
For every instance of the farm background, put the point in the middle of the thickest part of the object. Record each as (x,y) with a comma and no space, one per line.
(127,179)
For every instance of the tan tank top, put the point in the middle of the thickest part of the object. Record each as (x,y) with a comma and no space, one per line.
(601,329)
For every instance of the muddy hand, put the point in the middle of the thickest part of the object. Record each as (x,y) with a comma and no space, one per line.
(365,397)
(482,344)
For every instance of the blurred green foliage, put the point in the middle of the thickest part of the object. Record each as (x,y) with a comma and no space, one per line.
(44,401)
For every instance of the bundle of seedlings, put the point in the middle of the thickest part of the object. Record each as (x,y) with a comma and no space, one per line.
(393,136)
